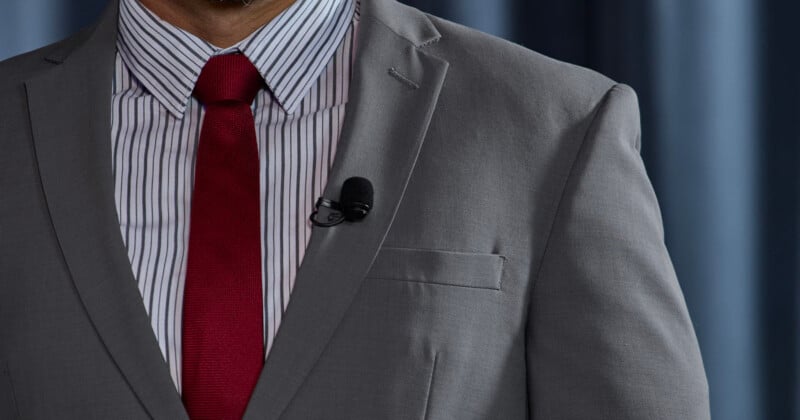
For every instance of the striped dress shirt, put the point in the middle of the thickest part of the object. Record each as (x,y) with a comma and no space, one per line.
(305,56)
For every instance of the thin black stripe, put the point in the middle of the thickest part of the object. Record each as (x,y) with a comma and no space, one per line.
(268,317)
(297,200)
(147,208)
(130,172)
(143,206)
(274,238)
(174,257)
(334,87)
(156,201)
(116,117)
(308,140)
(314,134)
(281,192)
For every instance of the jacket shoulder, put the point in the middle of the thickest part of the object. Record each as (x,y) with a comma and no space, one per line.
(17,69)
(500,67)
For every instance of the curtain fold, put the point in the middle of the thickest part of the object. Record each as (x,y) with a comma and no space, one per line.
(779,145)
(705,95)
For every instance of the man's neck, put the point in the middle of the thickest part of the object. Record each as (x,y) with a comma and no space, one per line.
(221,23)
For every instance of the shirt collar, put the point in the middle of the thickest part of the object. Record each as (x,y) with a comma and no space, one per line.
(290,52)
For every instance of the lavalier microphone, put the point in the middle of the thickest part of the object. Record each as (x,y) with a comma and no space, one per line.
(355,203)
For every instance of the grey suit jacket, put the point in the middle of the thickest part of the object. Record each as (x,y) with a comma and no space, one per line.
(513,266)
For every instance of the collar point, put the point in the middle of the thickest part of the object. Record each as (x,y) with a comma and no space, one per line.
(177,111)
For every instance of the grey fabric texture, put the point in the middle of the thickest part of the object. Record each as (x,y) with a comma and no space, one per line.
(513,265)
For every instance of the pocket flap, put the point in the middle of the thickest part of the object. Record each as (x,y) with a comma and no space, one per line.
(452,268)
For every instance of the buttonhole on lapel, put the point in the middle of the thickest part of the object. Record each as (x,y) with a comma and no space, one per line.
(403,79)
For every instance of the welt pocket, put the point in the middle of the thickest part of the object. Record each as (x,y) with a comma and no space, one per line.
(451,268)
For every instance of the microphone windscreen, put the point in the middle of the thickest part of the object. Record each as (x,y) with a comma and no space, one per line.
(356,190)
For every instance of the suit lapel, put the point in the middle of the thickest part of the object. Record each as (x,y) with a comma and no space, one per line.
(393,93)
(69,106)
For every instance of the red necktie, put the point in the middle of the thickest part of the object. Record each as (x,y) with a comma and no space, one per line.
(223,344)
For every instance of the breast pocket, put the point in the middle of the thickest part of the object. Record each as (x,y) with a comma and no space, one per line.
(440,267)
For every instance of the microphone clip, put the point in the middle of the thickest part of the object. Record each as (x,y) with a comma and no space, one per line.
(334,217)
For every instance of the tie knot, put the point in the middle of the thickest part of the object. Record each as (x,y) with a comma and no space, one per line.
(230,77)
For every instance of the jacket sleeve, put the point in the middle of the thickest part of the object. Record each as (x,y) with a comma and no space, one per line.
(609,335)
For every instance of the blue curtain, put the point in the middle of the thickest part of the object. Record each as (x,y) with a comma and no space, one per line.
(29,24)
(719,86)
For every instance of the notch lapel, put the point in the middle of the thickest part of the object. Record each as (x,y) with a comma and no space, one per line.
(393,94)
(69,107)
